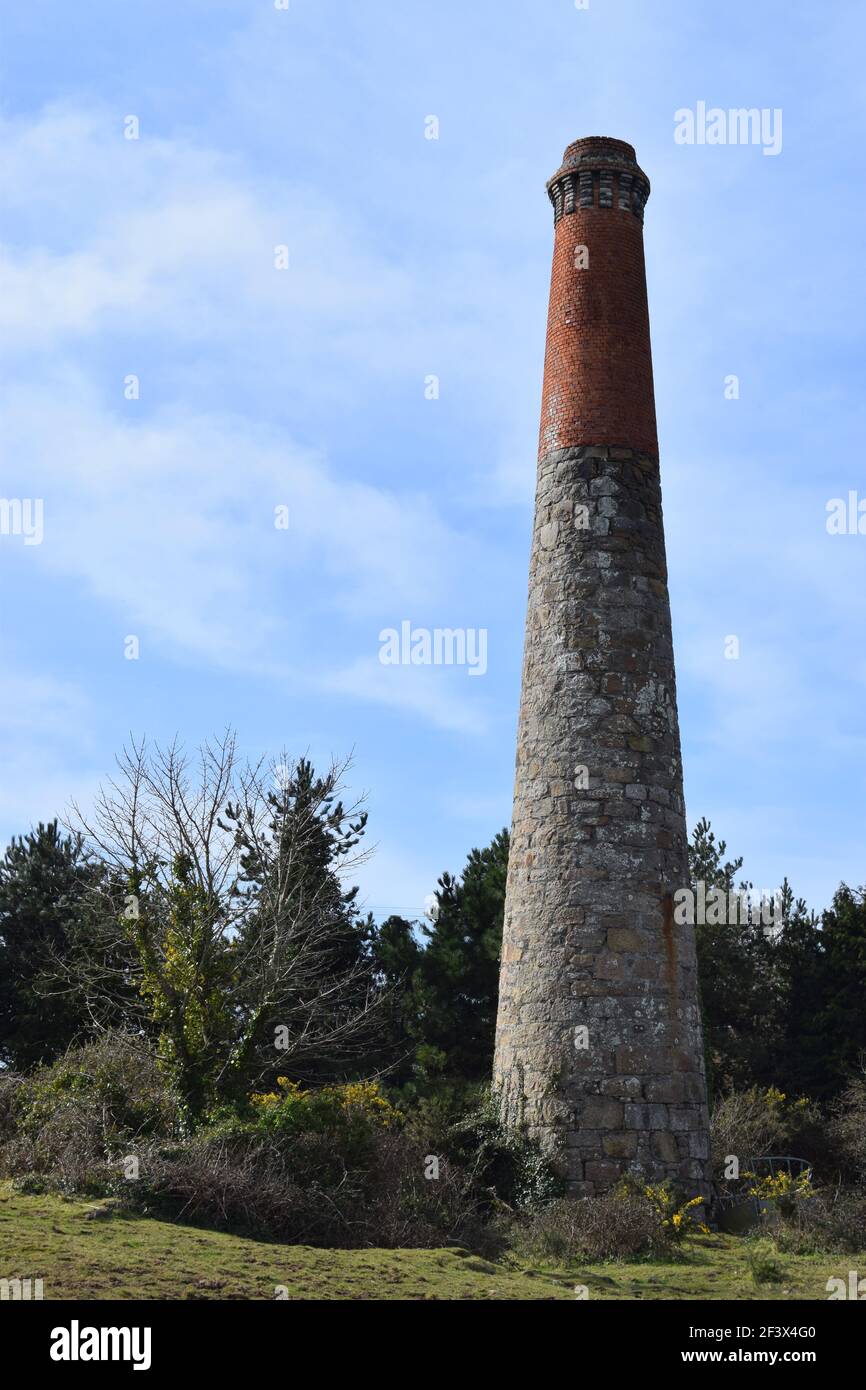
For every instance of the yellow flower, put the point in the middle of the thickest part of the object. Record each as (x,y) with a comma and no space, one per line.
(264,1099)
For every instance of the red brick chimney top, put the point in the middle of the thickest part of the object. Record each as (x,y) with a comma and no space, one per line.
(598,382)
(585,177)
(598,150)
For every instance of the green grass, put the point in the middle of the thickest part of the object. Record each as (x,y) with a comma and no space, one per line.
(127,1257)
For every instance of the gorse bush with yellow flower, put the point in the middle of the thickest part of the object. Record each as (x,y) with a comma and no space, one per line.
(768,1121)
(291,1109)
(343,1120)
(786,1190)
(677,1219)
(635,1219)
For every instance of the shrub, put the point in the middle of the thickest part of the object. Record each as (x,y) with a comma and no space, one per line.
(351,1111)
(337,1166)
(115,1076)
(79,1116)
(501,1159)
(304,1192)
(832,1222)
(848,1130)
(235,1185)
(327,1133)
(678,1217)
(750,1124)
(764,1264)
(785,1190)
(617,1225)
(11,1090)
(342,1166)
(633,1218)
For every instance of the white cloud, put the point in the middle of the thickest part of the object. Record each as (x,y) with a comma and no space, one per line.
(169,522)
(158,234)
(166,514)
(433,692)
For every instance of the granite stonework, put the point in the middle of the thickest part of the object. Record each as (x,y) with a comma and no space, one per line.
(599,1047)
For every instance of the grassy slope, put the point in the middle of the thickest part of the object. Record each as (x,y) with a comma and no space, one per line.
(125,1257)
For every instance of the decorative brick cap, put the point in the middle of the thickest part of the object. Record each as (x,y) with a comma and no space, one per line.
(598,171)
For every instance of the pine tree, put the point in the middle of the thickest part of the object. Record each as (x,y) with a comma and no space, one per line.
(843,1017)
(397,956)
(457,981)
(800,1065)
(739,993)
(44,881)
(298,905)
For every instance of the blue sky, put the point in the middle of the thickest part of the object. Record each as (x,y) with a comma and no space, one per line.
(410,257)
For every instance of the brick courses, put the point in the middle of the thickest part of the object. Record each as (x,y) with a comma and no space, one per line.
(590,942)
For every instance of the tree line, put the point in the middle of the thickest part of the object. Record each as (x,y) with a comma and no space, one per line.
(203,908)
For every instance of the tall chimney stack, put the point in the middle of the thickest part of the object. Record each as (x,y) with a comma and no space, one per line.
(598,1041)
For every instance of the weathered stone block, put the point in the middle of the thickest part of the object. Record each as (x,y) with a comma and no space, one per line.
(589,935)
(665,1147)
(620,1145)
(623,939)
(602,1174)
(600,1112)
